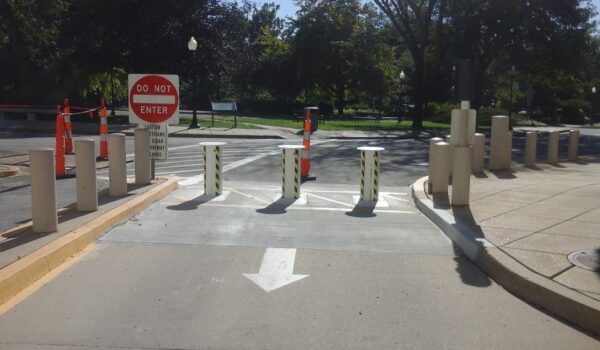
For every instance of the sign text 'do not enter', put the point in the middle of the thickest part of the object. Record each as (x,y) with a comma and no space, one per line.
(153,98)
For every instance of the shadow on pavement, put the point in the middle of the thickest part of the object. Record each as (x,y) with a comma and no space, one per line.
(363,211)
(277,207)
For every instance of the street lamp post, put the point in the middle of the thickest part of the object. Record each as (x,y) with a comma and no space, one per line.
(402,76)
(192,46)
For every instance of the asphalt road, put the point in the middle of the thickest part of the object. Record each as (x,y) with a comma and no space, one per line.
(251,271)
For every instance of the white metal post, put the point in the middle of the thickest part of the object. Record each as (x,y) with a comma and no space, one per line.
(43,190)
(85,172)
(290,187)
(369,173)
(213,168)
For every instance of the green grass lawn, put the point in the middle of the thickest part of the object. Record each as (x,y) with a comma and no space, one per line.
(224,122)
(341,125)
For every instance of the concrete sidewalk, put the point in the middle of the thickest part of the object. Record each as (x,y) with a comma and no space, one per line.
(522,225)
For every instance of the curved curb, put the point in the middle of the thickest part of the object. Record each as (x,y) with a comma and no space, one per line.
(20,274)
(509,273)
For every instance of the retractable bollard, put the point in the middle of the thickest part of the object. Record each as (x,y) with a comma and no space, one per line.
(143,165)
(553,140)
(290,177)
(440,171)
(478,153)
(85,166)
(500,149)
(573,145)
(369,173)
(213,168)
(530,148)
(43,190)
(117,165)
(432,160)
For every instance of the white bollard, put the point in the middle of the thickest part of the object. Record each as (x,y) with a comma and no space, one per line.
(117,165)
(461,175)
(143,164)
(290,178)
(85,172)
(500,149)
(213,168)
(43,190)
(530,148)
(369,173)
(441,169)
(432,161)
(573,145)
(553,139)
(478,153)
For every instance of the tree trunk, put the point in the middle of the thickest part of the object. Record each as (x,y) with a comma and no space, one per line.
(419,93)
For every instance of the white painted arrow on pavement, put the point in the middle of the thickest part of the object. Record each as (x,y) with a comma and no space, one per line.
(276,269)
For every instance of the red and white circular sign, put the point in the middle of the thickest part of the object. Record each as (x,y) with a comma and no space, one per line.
(153,98)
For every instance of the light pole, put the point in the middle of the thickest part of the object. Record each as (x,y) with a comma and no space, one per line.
(402,76)
(592,106)
(192,46)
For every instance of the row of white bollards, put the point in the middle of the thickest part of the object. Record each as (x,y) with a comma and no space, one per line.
(463,153)
(43,177)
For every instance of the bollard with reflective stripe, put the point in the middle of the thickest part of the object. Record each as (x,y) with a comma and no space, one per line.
(213,168)
(68,127)
(61,169)
(290,188)
(573,152)
(43,190)
(369,173)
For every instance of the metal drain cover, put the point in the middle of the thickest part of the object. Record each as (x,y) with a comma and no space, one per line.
(586,259)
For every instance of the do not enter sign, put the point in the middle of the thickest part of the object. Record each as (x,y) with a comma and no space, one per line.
(153,98)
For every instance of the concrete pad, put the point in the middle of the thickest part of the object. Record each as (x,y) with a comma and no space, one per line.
(554,243)
(195,297)
(576,229)
(570,202)
(540,211)
(592,295)
(580,279)
(590,216)
(482,211)
(551,188)
(516,197)
(546,264)
(500,236)
(519,222)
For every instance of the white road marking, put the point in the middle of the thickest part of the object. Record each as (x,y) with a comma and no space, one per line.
(329,200)
(276,269)
(249,196)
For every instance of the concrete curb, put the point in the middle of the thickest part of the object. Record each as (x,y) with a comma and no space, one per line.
(509,273)
(22,273)
(220,136)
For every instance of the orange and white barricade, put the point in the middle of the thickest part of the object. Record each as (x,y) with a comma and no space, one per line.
(103,132)
(60,144)
(68,127)
(305,153)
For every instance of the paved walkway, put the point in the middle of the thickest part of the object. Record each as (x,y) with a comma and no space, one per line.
(536,217)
